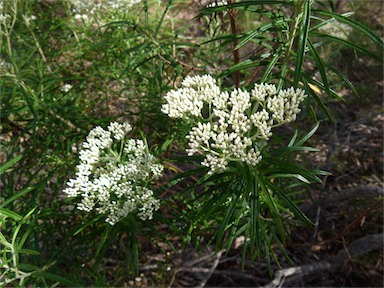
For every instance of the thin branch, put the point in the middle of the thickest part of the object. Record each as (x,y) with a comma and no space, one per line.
(235,52)
(282,274)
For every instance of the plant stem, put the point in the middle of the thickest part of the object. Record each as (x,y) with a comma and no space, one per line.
(235,52)
(292,35)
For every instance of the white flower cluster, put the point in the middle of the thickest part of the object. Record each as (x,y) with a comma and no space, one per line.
(230,126)
(4,17)
(337,29)
(5,66)
(217,3)
(114,173)
(66,87)
(85,10)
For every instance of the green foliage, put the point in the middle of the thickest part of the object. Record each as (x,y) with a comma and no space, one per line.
(250,202)
(118,67)
(288,37)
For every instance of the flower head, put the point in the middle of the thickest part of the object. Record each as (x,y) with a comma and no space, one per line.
(114,173)
(86,10)
(66,87)
(230,126)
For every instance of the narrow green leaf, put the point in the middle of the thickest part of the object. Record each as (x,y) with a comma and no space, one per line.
(294,137)
(267,250)
(242,5)
(3,241)
(355,24)
(254,233)
(246,64)
(8,213)
(314,95)
(87,223)
(289,204)
(271,203)
(17,195)
(28,251)
(270,66)
(320,66)
(302,43)
(249,36)
(290,175)
(169,3)
(57,278)
(221,193)
(320,85)
(19,245)
(342,77)
(103,239)
(135,249)
(4,167)
(308,135)
(351,45)
(227,220)
(132,256)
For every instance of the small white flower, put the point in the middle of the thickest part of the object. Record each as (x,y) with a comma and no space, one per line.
(119,130)
(86,10)
(217,3)
(66,87)
(4,17)
(5,66)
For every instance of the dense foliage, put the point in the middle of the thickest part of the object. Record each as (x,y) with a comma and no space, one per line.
(201,94)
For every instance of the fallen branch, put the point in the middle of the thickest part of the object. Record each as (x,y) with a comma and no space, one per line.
(213,267)
(356,249)
(282,274)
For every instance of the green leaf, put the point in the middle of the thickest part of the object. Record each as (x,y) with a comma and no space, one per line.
(87,223)
(355,24)
(57,278)
(290,175)
(227,219)
(280,166)
(254,221)
(249,36)
(242,5)
(18,195)
(4,167)
(343,77)
(308,135)
(289,204)
(3,241)
(104,237)
(169,3)
(320,66)
(271,203)
(270,66)
(314,95)
(217,194)
(351,45)
(28,251)
(302,43)
(132,253)
(320,85)
(10,214)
